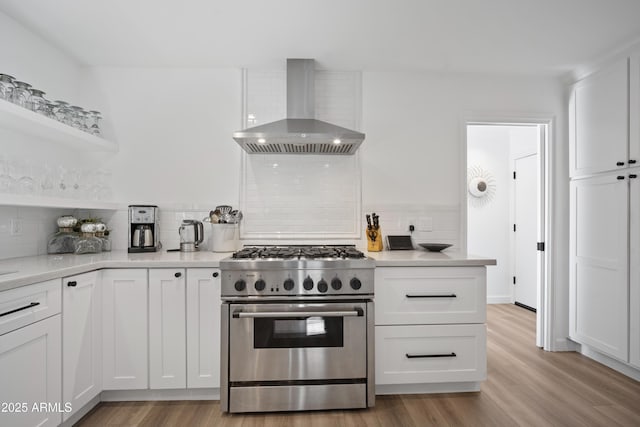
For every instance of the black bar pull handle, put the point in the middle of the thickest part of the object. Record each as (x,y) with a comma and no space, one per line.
(632,162)
(428,356)
(431,296)
(633,176)
(33,304)
(620,177)
(72,283)
(619,163)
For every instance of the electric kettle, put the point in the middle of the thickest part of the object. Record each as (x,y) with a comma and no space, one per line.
(191,235)
(142,237)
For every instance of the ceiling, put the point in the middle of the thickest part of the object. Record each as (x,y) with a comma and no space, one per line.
(506,36)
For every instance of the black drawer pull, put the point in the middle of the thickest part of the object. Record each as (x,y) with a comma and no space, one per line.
(73,283)
(632,162)
(215,274)
(633,175)
(427,356)
(178,274)
(620,164)
(431,296)
(619,177)
(33,304)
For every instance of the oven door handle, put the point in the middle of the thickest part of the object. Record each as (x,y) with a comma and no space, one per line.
(357,312)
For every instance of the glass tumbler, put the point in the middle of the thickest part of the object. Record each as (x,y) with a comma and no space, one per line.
(76,117)
(37,103)
(62,112)
(20,94)
(6,86)
(94,118)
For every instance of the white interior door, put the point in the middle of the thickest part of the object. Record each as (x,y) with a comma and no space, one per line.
(526,220)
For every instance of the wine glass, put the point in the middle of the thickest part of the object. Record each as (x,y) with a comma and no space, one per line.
(20,94)
(6,86)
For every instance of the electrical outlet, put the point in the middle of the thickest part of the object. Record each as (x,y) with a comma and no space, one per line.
(425,224)
(16,227)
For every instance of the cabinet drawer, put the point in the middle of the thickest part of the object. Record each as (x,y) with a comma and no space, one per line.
(430,354)
(28,304)
(430,295)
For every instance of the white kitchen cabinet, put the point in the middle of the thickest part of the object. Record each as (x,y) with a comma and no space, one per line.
(599,286)
(430,354)
(599,138)
(124,329)
(203,328)
(82,339)
(167,329)
(30,356)
(428,295)
(430,326)
(634,267)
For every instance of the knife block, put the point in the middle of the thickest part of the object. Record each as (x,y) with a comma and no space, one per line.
(374,239)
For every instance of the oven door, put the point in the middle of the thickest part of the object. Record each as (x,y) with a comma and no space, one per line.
(297,342)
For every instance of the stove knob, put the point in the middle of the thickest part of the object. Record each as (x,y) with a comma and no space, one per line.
(289,284)
(240,285)
(322,286)
(308,283)
(260,285)
(355,283)
(336,283)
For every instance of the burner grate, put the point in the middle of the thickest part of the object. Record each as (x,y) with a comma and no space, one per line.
(300,252)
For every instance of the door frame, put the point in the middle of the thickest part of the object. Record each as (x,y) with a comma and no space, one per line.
(545,312)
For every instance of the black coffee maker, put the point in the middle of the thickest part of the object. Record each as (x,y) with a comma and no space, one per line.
(143,228)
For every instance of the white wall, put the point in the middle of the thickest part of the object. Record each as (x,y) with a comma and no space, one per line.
(488,231)
(174,130)
(493,148)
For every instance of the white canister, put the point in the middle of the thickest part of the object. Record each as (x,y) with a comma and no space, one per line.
(224,237)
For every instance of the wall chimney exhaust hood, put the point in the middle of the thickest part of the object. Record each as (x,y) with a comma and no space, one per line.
(300,132)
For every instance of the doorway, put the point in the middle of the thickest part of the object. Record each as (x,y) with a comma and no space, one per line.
(506,211)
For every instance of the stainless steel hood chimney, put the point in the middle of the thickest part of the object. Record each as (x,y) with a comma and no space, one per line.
(300,132)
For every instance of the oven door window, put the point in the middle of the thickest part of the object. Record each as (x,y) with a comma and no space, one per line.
(300,332)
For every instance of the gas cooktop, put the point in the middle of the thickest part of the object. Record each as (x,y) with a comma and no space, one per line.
(298,252)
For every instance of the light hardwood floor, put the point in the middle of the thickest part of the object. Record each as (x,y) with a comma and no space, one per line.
(525,387)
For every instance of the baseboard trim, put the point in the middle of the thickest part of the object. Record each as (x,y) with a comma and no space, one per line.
(81,412)
(614,364)
(382,389)
(563,344)
(498,300)
(172,394)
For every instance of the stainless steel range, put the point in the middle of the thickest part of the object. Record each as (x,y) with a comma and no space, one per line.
(297,329)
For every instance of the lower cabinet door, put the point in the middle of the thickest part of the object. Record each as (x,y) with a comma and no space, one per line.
(124,329)
(167,329)
(82,338)
(430,354)
(203,328)
(30,375)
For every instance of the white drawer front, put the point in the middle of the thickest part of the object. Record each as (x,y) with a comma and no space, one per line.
(431,295)
(28,304)
(430,354)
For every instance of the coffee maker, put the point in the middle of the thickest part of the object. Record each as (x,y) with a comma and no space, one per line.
(143,228)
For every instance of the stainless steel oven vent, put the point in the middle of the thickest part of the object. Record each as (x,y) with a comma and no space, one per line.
(300,132)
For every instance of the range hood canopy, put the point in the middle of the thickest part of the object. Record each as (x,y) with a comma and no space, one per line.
(300,132)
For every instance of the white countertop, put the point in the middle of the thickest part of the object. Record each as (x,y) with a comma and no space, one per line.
(35,269)
(424,258)
(40,268)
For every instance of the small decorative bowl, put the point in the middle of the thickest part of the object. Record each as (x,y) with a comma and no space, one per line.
(435,247)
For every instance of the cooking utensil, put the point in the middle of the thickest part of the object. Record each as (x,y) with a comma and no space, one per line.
(369,221)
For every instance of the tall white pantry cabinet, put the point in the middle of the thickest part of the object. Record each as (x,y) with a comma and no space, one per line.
(605,211)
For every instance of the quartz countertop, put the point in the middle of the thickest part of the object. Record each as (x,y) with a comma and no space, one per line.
(29,270)
(424,258)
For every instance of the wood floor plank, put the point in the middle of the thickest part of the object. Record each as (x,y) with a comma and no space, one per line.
(526,386)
